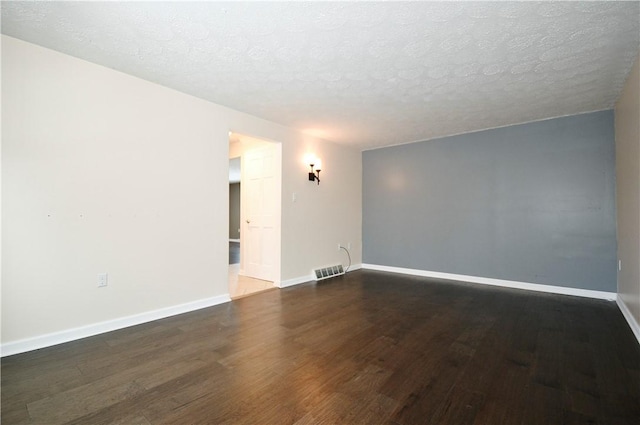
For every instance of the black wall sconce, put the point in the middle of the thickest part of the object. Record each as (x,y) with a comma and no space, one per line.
(315,175)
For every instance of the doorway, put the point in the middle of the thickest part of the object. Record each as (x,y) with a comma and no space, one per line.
(254,215)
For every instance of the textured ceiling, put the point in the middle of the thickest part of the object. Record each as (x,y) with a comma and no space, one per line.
(360,73)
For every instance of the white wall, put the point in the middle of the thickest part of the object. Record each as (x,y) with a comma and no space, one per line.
(627,127)
(104,172)
(324,214)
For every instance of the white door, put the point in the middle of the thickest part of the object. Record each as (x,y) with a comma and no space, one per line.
(261,206)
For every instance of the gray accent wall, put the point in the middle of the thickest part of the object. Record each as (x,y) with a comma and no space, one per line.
(531,203)
(234,211)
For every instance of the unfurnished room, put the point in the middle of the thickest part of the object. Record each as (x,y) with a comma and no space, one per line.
(395,212)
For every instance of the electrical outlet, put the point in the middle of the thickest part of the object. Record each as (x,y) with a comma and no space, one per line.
(339,247)
(349,245)
(619,265)
(102,280)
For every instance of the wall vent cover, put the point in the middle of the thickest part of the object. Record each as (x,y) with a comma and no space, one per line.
(327,272)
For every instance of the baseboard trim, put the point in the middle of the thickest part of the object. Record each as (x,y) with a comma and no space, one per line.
(563,290)
(295,281)
(310,278)
(68,335)
(633,324)
(234,240)
(354,267)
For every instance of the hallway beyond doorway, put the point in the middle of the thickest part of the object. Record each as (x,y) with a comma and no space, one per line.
(242,286)
(234,252)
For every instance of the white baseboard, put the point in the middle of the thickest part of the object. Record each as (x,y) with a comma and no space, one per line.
(611,296)
(56,338)
(354,267)
(633,324)
(234,240)
(310,278)
(295,281)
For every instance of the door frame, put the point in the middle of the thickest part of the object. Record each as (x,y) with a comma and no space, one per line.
(246,142)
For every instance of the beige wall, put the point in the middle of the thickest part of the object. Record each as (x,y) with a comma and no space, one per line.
(627,127)
(104,172)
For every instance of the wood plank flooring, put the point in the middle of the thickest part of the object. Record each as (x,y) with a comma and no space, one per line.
(366,348)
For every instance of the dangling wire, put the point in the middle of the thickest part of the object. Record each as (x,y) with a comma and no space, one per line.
(347,269)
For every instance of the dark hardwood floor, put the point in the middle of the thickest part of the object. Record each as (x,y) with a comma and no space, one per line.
(366,348)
